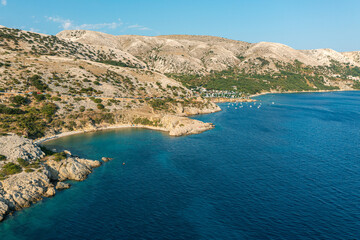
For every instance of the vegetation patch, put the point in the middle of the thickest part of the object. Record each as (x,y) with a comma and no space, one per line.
(10,169)
(148,122)
(22,162)
(59,156)
(36,81)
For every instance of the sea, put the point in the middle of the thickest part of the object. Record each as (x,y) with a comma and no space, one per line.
(289,169)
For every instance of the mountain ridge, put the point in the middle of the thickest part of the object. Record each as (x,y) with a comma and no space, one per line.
(222,51)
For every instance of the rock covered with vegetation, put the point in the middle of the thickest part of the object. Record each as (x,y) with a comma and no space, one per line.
(69,167)
(27,180)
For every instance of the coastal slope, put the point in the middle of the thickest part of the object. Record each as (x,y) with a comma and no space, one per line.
(28,175)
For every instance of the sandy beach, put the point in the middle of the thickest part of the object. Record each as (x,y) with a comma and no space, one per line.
(65,134)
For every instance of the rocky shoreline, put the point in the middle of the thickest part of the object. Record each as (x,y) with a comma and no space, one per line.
(173,125)
(38,175)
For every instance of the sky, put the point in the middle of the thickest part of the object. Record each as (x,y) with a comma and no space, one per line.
(301,24)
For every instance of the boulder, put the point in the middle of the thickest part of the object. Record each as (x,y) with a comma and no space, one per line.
(62,185)
(50,192)
(106,159)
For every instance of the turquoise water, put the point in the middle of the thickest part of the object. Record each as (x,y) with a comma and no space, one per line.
(288,170)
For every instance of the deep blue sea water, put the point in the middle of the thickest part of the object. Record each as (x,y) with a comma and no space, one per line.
(288,170)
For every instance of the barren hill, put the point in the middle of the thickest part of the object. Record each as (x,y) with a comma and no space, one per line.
(201,54)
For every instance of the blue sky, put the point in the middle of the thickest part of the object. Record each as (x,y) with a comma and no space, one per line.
(300,24)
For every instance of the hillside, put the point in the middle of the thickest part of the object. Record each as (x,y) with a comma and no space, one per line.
(51,85)
(85,80)
(227,65)
(206,50)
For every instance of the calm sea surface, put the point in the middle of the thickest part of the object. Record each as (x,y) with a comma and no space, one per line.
(288,170)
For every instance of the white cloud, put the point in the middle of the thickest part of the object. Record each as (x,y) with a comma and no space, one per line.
(112,25)
(3,2)
(139,27)
(64,23)
(67,24)
(34,30)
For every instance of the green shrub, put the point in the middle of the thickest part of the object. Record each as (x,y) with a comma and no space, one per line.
(117,63)
(2,157)
(33,125)
(11,168)
(19,100)
(35,80)
(47,151)
(49,109)
(7,110)
(22,162)
(39,97)
(100,106)
(56,99)
(96,100)
(35,165)
(59,156)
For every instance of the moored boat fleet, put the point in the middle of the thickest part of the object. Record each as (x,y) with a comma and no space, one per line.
(240,105)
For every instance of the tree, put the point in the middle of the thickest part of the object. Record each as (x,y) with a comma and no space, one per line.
(49,109)
(19,100)
(100,106)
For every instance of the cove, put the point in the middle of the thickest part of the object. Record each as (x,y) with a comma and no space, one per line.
(287,170)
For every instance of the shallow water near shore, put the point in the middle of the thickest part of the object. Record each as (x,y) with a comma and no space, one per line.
(288,170)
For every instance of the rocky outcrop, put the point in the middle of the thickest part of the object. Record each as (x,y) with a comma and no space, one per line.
(205,107)
(4,208)
(62,185)
(106,159)
(72,168)
(21,190)
(14,147)
(178,126)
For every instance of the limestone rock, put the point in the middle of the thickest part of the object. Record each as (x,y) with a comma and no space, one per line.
(50,192)
(14,146)
(22,189)
(71,168)
(178,126)
(106,159)
(4,208)
(62,185)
